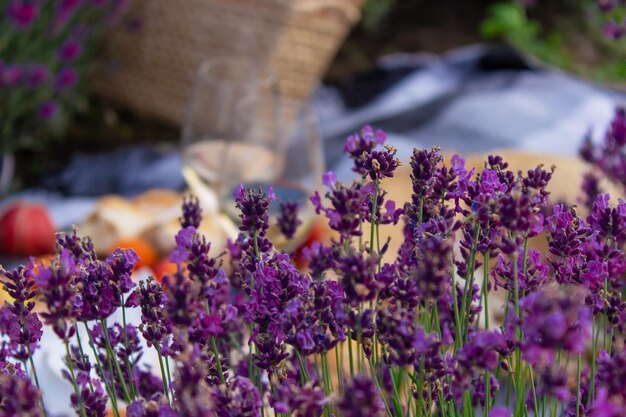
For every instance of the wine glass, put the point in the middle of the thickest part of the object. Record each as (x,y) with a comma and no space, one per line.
(239,129)
(232,129)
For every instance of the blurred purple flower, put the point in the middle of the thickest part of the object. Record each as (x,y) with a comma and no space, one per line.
(361,398)
(288,220)
(70,50)
(500,412)
(379,164)
(19,397)
(555,319)
(613,30)
(241,398)
(66,78)
(38,75)
(603,406)
(22,14)
(12,75)
(329,179)
(296,401)
(192,213)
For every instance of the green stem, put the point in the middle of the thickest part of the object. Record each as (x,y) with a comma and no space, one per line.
(110,389)
(32,365)
(466,304)
(396,393)
(304,373)
(578,387)
(375,378)
(350,353)
(68,360)
(327,383)
(217,360)
(133,392)
(457,320)
(595,331)
(165,390)
(112,358)
(339,366)
(169,376)
(532,385)
(486,287)
(373,219)
(80,349)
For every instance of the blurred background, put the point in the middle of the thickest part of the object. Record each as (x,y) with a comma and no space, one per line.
(111,110)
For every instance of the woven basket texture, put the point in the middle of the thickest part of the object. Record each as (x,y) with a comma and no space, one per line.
(151,70)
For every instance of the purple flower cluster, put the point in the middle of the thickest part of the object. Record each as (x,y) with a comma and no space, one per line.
(608,156)
(555,320)
(362,398)
(259,333)
(40,82)
(288,220)
(614,25)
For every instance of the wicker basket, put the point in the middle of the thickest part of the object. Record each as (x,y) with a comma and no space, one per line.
(151,71)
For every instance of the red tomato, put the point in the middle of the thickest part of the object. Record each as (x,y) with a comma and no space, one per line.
(26,229)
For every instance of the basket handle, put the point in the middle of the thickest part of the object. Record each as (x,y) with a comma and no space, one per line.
(348,8)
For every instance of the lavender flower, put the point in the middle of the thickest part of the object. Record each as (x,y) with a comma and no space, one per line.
(37,76)
(253,205)
(480,354)
(396,327)
(364,143)
(608,222)
(182,305)
(194,397)
(608,157)
(590,190)
(604,407)
(70,50)
(433,271)
(349,207)
(362,398)
(567,232)
(288,220)
(149,296)
(270,350)
(22,14)
(320,258)
(192,213)
(12,75)
(555,320)
(240,399)
(314,321)
(20,285)
(380,164)
(535,277)
(93,403)
(57,285)
(500,412)
(361,325)
(357,277)
(306,401)
(48,110)
(141,408)
(428,356)
(611,374)
(19,397)
(552,382)
(66,78)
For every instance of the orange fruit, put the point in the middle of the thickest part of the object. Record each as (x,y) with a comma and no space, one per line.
(144,250)
(110,413)
(162,268)
(42,261)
